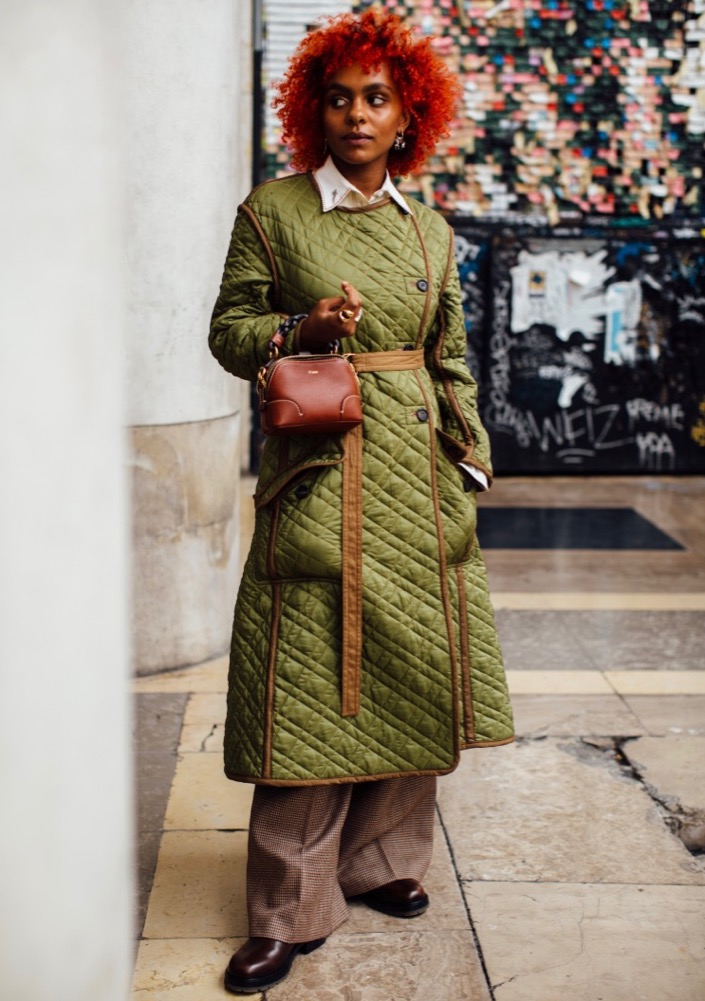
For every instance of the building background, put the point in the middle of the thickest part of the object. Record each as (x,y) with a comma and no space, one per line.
(574,181)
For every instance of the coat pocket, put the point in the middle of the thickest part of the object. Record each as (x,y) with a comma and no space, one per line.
(458,501)
(298,516)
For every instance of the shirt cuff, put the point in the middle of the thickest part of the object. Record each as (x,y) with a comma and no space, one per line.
(477,475)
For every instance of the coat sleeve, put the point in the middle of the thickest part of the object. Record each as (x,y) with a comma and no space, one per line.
(463,435)
(244,317)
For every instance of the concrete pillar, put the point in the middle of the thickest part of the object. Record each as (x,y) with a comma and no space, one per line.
(65,861)
(189,113)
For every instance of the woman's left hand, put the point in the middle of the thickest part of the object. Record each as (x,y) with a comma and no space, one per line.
(331,319)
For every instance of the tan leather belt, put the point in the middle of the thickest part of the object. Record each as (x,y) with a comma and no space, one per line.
(372,361)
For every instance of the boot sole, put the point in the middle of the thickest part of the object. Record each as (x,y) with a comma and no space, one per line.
(252,985)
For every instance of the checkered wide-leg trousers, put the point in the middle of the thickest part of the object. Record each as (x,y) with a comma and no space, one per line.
(311,847)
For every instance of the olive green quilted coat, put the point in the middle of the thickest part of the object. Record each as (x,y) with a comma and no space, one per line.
(429,680)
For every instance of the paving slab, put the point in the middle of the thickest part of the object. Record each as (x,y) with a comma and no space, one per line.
(157,721)
(156,724)
(573,682)
(154,775)
(204,721)
(668,715)
(541,640)
(584,601)
(205,708)
(622,640)
(212,676)
(673,771)
(600,639)
(202,737)
(202,798)
(409,965)
(183,969)
(588,942)
(199,886)
(147,844)
(672,682)
(558,810)
(573,716)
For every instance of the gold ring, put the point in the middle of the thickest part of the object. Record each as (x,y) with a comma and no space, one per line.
(345,314)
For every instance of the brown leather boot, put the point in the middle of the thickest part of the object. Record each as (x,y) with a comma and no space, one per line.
(262,963)
(402,898)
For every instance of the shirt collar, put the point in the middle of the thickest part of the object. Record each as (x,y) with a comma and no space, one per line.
(335,188)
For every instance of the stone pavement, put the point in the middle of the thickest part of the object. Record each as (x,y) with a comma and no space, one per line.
(569,866)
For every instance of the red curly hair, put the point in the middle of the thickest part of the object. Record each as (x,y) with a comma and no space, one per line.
(428,89)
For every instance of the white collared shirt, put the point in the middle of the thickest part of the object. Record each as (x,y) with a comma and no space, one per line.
(337,191)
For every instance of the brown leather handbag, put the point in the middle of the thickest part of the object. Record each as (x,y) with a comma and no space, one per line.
(309,394)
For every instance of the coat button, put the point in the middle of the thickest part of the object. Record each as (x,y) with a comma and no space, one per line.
(422,285)
(408,347)
(302,491)
(422,415)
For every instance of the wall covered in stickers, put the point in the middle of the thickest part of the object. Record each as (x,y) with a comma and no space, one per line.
(574,181)
(590,352)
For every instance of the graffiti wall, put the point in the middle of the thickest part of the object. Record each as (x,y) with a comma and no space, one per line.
(590,353)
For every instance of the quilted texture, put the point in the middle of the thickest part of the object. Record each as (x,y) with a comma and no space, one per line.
(432,680)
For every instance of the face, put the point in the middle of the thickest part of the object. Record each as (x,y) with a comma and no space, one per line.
(362,113)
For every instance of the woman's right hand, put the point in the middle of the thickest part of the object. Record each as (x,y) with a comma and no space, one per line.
(328,320)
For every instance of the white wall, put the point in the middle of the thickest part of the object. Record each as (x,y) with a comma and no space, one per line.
(65,866)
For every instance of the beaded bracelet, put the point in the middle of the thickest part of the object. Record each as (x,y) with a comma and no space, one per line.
(285,328)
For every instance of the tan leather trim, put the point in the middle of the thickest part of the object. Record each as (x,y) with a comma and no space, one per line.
(447,383)
(271,679)
(468,712)
(353,209)
(429,279)
(438,352)
(278,485)
(257,780)
(449,262)
(442,565)
(387,361)
(487,743)
(272,542)
(343,780)
(351,671)
(458,452)
(268,250)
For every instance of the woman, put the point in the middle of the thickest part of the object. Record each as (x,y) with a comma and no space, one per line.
(364,655)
